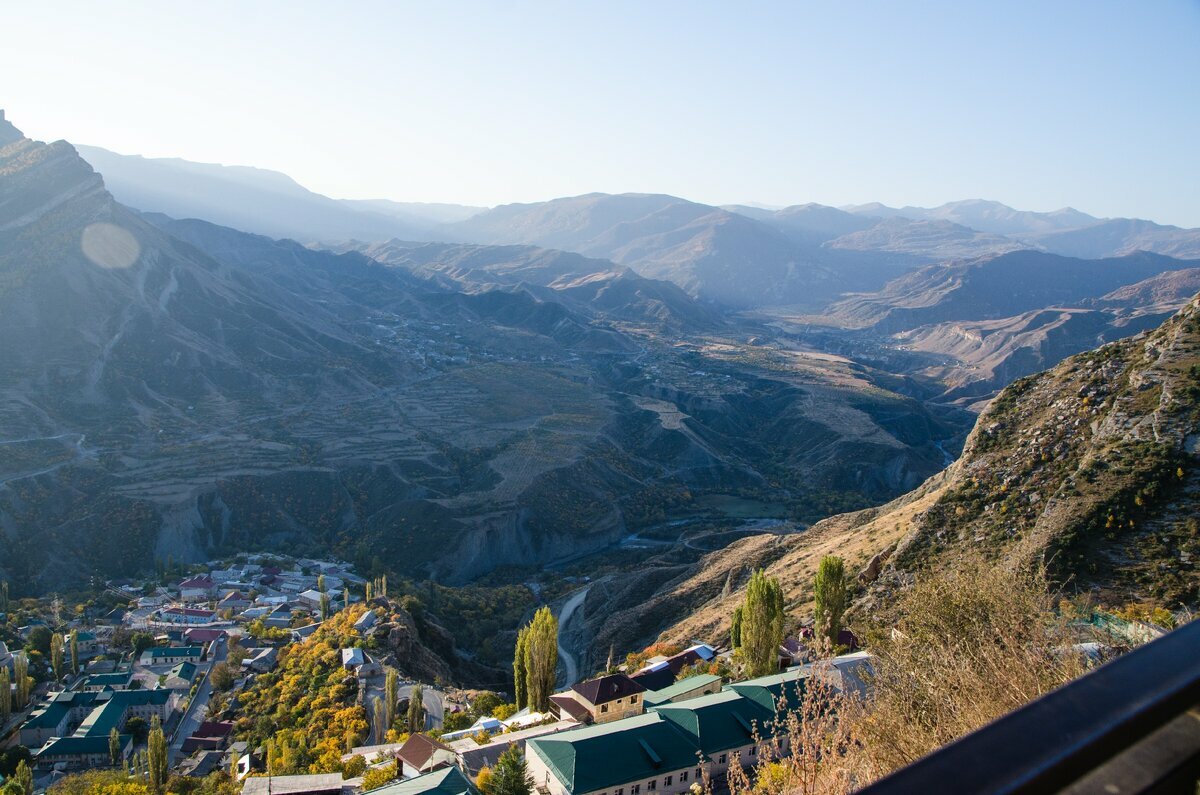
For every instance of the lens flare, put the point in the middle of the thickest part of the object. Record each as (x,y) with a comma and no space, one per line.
(109,246)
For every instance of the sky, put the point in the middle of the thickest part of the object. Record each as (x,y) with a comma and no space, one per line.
(1040,105)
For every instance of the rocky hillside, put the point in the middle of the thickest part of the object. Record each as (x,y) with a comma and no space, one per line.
(1090,468)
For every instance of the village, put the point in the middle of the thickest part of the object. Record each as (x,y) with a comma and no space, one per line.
(177,656)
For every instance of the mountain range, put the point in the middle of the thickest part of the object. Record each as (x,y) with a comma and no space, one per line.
(178,388)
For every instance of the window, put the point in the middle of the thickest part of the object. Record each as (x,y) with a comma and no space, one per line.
(683,777)
(620,791)
(633,699)
(667,781)
(754,750)
(635,789)
(721,759)
(653,785)
(604,707)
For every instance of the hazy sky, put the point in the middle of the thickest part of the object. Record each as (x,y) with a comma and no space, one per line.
(1039,104)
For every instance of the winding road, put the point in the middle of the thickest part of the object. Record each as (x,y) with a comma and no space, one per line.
(569,662)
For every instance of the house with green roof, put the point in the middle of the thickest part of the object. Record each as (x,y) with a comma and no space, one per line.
(669,747)
(691,687)
(171,655)
(57,719)
(81,752)
(180,677)
(119,680)
(633,756)
(448,781)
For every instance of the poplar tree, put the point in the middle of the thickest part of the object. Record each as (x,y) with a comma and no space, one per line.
(735,628)
(75,651)
(416,710)
(56,654)
(22,680)
(24,778)
(324,607)
(520,675)
(391,689)
(829,589)
(156,756)
(541,659)
(380,717)
(762,624)
(5,696)
(114,746)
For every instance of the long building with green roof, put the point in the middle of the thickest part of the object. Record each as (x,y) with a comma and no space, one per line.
(672,745)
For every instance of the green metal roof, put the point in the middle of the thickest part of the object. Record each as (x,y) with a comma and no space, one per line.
(178,651)
(57,709)
(449,781)
(598,757)
(682,687)
(80,745)
(104,718)
(720,721)
(768,690)
(105,680)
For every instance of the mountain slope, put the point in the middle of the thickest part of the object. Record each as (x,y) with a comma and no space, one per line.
(1091,468)
(986,216)
(180,388)
(250,199)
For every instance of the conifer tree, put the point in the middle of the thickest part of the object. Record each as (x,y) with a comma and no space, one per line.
(510,776)
(762,624)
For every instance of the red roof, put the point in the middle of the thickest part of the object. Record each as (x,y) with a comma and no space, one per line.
(203,635)
(211,728)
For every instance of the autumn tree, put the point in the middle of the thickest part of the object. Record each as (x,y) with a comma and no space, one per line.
(762,624)
(829,589)
(5,696)
(22,680)
(379,716)
(24,778)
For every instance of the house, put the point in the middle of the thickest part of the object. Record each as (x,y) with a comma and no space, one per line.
(118,680)
(311,598)
(473,757)
(634,756)
(606,698)
(171,655)
(197,589)
(203,637)
(209,735)
(669,747)
(447,781)
(353,658)
(365,622)
(180,677)
(235,601)
(81,752)
(423,754)
(186,615)
(260,660)
(113,618)
(691,687)
(315,784)
(63,713)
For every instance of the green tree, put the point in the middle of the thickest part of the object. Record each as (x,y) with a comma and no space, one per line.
(829,589)
(762,624)
(3,596)
(416,710)
(75,651)
(39,639)
(22,680)
(5,695)
(391,690)
(114,745)
(324,607)
(56,654)
(221,676)
(24,778)
(735,628)
(321,583)
(510,776)
(520,675)
(156,756)
(539,659)
(379,717)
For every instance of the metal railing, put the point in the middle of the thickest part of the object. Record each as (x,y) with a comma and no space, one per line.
(1130,726)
